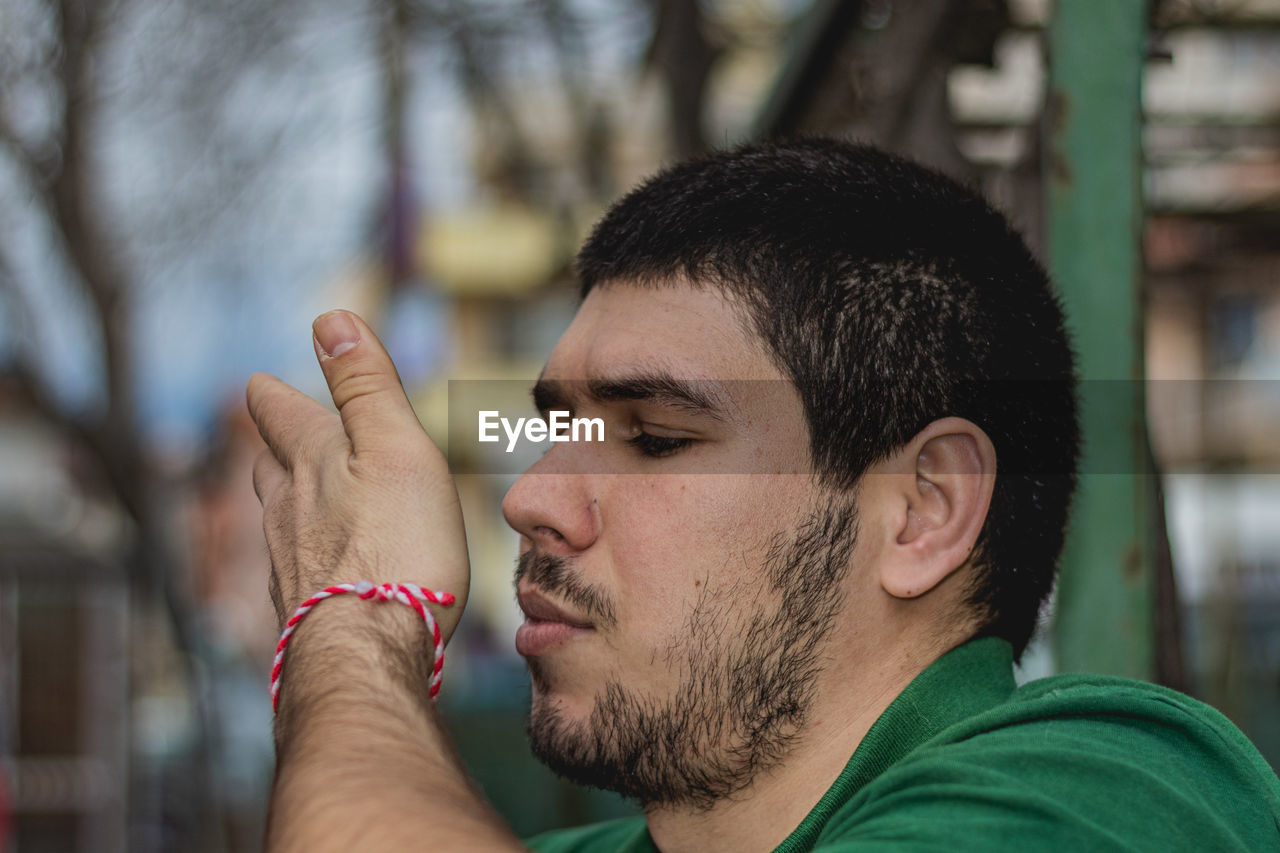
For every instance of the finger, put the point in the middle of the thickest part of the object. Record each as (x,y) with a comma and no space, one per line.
(283,414)
(268,475)
(363,381)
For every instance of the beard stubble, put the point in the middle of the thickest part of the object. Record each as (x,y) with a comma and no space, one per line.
(750,675)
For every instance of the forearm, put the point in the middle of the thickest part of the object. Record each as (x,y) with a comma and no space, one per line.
(363,761)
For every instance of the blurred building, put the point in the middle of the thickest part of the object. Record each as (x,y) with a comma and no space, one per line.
(64,652)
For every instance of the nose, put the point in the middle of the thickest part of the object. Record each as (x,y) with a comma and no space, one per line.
(556,510)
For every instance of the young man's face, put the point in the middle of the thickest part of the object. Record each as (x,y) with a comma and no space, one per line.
(680,577)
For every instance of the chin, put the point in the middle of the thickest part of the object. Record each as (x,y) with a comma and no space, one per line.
(567,686)
(570,747)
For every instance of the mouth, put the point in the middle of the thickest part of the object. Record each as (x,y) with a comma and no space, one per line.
(539,609)
(546,625)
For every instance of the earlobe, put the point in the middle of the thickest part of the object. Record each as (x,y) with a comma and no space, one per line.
(949,473)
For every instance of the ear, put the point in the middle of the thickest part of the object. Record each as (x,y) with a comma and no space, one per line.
(946,476)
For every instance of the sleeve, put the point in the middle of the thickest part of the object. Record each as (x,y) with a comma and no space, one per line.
(1085,781)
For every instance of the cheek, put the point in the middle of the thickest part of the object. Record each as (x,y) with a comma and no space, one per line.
(679,539)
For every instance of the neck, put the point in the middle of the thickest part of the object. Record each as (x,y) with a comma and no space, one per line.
(763,815)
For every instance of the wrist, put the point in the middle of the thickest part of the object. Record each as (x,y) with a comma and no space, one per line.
(358,648)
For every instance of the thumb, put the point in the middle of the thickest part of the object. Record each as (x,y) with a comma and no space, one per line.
(363,382)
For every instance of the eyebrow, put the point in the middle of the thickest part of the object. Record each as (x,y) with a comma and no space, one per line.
(703,397)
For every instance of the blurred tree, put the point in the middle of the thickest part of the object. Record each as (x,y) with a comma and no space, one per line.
(683,52)
(135,134)
(58,162)
(73,73)
(877,70)
(510,56)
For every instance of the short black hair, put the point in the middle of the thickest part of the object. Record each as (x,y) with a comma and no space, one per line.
(891,296)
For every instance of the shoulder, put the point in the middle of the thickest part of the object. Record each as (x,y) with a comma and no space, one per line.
(626,834)
(1076,762)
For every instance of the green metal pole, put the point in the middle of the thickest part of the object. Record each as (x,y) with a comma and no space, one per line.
(1104,612)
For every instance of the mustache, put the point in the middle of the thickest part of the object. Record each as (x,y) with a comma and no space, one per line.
(552,574)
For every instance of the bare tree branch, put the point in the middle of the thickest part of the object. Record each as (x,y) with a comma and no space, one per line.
(684,55)
(24,371)
(25,161)
(590,122)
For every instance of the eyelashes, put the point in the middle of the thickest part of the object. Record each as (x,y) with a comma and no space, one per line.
(658,446)
(648,444)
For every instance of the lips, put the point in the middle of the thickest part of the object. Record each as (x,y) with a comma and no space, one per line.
(538,609)
(546,625)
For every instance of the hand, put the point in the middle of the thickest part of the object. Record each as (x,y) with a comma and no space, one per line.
(363,494)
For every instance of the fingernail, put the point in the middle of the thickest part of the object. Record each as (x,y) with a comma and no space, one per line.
(335,333)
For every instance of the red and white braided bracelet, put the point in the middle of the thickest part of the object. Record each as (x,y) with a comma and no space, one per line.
(405,593)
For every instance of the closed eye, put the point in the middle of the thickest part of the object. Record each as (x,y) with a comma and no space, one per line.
(658,445)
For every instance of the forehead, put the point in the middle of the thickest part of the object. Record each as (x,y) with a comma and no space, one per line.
(680,330)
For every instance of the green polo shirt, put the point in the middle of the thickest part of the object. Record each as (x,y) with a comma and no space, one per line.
(964,759)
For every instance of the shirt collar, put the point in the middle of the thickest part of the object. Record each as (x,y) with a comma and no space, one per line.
(963,682)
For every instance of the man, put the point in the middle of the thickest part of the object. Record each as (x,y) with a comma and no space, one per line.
(778,605)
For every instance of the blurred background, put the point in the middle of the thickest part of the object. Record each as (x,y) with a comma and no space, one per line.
(184,185)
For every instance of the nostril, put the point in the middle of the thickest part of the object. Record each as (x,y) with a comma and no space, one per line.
(549,532)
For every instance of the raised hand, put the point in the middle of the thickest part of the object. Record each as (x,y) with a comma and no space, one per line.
(362,494)
(362,762)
